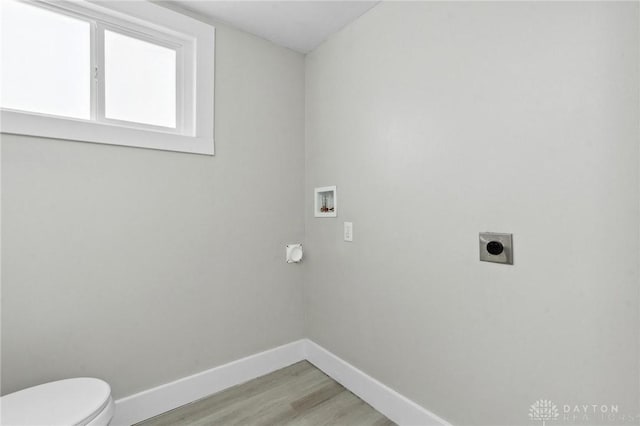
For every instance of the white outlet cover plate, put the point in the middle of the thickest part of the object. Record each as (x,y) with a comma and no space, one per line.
(348,231)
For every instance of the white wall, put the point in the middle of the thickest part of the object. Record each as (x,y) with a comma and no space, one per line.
(142,266)
(440,120)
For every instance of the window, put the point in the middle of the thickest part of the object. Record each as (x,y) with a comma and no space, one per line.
(125,73)
(33,36)
(139,81)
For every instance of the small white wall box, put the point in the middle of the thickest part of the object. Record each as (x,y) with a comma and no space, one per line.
(294,253)
(326,202)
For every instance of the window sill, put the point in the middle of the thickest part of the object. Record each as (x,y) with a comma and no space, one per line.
(19,123)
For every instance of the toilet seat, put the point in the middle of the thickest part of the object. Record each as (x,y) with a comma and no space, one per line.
(72,402)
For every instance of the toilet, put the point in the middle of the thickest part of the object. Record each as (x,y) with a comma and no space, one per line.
(81,401)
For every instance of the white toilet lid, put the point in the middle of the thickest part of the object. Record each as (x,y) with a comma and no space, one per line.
(67,402)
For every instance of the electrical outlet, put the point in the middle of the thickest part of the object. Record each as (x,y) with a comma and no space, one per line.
(348,231)
(496,247)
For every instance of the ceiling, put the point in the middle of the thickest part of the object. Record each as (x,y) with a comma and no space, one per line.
(298,25)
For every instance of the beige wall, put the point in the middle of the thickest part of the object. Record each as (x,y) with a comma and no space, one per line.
(436,121)
(142,266)
(440,120)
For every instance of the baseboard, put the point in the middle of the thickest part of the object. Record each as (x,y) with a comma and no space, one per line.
(161,399)
(395,406)
(158,400)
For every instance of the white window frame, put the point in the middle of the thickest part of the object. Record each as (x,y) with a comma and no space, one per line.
(194,43)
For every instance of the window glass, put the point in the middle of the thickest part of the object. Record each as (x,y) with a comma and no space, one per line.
(45,61)
(140,81)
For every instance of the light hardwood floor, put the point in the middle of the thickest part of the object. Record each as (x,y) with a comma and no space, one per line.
(297,395)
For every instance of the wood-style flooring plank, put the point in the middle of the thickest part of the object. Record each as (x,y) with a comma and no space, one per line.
(299,395)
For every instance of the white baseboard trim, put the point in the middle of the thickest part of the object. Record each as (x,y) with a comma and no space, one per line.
(158,400)
(396,407)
